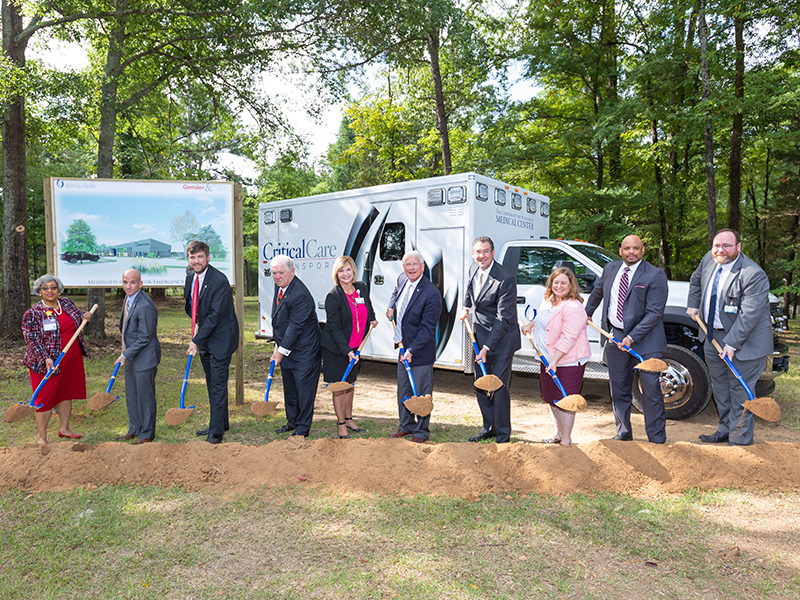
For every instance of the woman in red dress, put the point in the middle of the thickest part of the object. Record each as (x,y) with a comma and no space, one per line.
(48,326)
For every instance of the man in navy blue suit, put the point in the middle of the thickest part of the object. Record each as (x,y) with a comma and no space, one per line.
(416,305)
(217,335)
(295,328)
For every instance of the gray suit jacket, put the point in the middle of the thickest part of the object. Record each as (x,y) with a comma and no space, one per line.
(744,306)
(142,348)
(643,309)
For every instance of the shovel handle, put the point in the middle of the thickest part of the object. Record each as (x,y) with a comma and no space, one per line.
(475,346)
(727,360)
(357,353)
(405,362)
(269,379)
(185,382)
(58,360)
(546,365)
(113,377)
(627,348)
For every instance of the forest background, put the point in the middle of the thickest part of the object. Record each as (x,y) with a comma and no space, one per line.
(668,119)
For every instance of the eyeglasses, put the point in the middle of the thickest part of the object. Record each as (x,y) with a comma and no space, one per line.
(723,246)
(49,288)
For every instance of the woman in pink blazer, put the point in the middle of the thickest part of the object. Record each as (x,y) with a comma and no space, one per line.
(559,332)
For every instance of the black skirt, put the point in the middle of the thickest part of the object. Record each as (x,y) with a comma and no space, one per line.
(334,365)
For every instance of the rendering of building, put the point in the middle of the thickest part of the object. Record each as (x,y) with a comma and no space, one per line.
(145,248)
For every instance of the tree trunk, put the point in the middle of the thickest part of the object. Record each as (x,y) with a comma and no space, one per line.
(16,297)
(664,249)
(735,160)
(441,113)
(709,136)
(105,149)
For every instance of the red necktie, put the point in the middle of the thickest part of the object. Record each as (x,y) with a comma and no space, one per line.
(280,297)
(195,301)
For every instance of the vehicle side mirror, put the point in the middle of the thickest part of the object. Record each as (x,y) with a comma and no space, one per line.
(586,282)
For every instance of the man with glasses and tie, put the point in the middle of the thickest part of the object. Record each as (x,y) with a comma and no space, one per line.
(209,303)
(635,294)
(490,302)
(415,305)
(730,292)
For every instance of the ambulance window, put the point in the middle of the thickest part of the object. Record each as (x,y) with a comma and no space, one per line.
(532,205)
(545,209)
(435,197)
(393,241)
(516,201)
(457,195)
(286,215)
(269,217)
(500,197)
(482,192)
(536,264)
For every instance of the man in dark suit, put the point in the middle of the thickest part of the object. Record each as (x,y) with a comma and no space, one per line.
(416,305)
(141,353)
(491,297)
(295,328)
(635,294)
(731,293)
(210,304)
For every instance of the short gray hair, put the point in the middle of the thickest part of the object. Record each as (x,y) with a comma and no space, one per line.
(37,285)
(281,259)
(414,254)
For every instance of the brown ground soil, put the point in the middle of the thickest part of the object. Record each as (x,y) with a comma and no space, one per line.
(594,463)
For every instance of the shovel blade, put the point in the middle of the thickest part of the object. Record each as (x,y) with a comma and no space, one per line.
(176,416)
(652,365)
(421,406)
(489,383)
(100,400)
(262,409)
(572,403)
(339,386)
(17,412)
(766,408)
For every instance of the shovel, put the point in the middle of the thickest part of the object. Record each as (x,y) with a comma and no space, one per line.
(344,385)
(651,365)
(17,412)
(766,408)
(488,383)
(267,407)
(176,416)
(103,399)
(570,402)
(421,406)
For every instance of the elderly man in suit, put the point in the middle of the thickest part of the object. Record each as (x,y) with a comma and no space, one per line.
(295,328)
(491,297)
(635,294)
(209,303)
(416,305)
(141,353)
(731,293)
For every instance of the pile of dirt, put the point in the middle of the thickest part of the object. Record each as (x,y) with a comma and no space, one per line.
(400,466)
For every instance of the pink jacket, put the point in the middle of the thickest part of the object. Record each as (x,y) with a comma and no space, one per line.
(566,331)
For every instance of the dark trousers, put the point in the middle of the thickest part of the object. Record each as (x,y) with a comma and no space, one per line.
(496,407)
(300,393)
(620,371)
(140,398)
(216,370)
(423,380)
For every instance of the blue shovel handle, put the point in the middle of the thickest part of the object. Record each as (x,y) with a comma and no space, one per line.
(553,375)
(113,378)
(185,382)
(480,362)
(269,379)
(738,375)
(633,352)
(44,380)
(410,377)
(350,366)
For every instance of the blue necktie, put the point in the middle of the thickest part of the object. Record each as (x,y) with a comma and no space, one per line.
(712,304)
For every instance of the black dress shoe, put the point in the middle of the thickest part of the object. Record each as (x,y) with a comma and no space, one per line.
(715,438)
(482,436)
(214,439)
(284,429)
(203,431)
(623,438)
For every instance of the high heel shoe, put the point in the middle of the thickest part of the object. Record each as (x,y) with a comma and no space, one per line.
(74,436)
(343,437)
(355,429)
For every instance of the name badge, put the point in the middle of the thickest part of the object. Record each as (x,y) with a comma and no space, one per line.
(50,324)
(359,301)
(731,309)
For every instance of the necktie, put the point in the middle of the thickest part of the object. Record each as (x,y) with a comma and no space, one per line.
(480,283)
(125,310)
(398,334)
(623,292)
(195,301)
(280,297)
(711,318)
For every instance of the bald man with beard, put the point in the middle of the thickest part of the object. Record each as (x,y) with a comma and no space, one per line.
(635,294)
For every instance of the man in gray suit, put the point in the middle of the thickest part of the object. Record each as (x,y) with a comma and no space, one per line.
(491,297)
(635,294)
(141,353)
(731,293)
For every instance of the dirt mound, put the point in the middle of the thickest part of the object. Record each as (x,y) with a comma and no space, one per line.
(399,466)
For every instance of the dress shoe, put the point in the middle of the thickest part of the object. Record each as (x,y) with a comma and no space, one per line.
(214,439)
(399,433)
(203,431)
(124,438)
(735,444)
(284,429)
(417,440)
(74,436)
(623,438)
(715,438)
(481,436)
(139,441)
(295,434)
